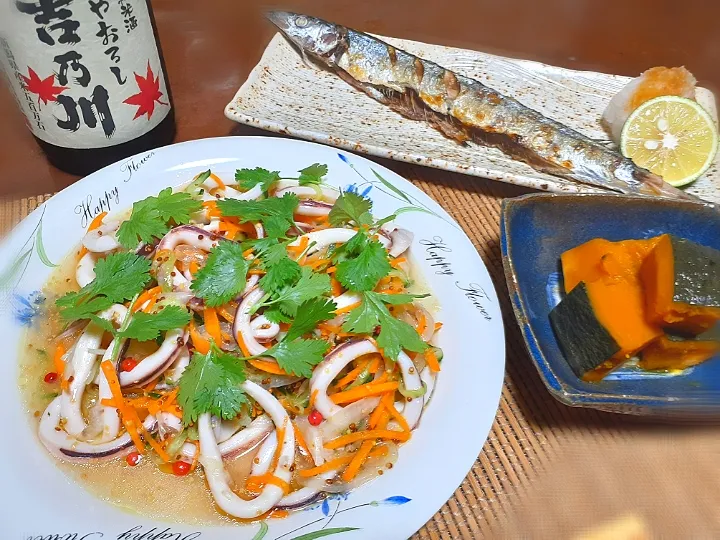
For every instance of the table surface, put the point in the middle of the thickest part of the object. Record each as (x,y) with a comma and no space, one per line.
(211,46)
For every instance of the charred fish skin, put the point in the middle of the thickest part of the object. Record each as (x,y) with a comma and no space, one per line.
(464,109)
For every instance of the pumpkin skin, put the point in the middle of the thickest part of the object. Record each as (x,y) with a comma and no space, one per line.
(681,280)
(666,354)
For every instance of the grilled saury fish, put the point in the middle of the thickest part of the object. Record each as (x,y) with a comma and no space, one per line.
(463,108)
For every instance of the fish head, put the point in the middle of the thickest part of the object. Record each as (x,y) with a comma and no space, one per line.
(312,35)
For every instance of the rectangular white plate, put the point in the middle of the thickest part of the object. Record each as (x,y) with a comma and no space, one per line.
(285,95)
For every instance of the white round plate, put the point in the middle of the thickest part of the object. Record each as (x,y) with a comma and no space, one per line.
(40,501)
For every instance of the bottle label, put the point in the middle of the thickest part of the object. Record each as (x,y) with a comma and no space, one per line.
(86,73)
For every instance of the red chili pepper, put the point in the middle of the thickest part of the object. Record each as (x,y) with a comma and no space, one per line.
(128,364)
(133,458)
(181,468)
(315,418)
(51,377)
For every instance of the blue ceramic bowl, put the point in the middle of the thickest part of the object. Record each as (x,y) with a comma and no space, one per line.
(536,230)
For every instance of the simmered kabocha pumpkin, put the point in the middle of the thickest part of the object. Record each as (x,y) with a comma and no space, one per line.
(682,285)
(601,322)
(667,354)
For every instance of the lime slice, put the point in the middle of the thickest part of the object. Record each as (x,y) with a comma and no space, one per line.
(671,136)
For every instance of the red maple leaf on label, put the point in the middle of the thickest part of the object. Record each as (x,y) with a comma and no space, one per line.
(44,88)
(149,93)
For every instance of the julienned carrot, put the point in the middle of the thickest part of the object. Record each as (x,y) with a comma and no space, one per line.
(358,459)
(300,440)
(145,296)
(335,287)
(399,418)
(331,270)
(194,267)
(313,397)
(97,221)
(338,462)
(201,344)
(220,184)
(304,241)
(363,391)
(225,314)
(212,324)
(212,209)
(422,323)
(127,413)
(344,440)
(352,375)
(255,484)
(268,367)
(397,262)
(58,360)
(346,309)
(379,422)
(432,360)
(229,227)
(438,326)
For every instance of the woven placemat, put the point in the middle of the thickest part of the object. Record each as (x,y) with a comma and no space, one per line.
(535,440)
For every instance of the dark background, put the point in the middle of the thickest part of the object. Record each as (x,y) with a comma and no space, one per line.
(211,45)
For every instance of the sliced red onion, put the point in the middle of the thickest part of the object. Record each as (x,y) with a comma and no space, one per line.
(216,475)
(401,241)
(242,324)
(189,235)
(326,193)
(67,448)
(151,367)
(429,323)
(319,240)
(85,271)
(81,367)
(263,329)
(102,239)
(351,414)
(242,441)
(428,377)
(312,208)
(330,367)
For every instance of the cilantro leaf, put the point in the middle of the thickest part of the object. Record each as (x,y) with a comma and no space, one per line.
(300,356)
(211,383)
(310,285)
(223,276)
(313,174)
(395,335)
(281,270)
(274,314)
(143,225)
(351,208)
(275,213)
(369,264)
(249,178)
(401,298)
(151,217)
(176,206)
(147,326)
(309,314)
(118,277)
